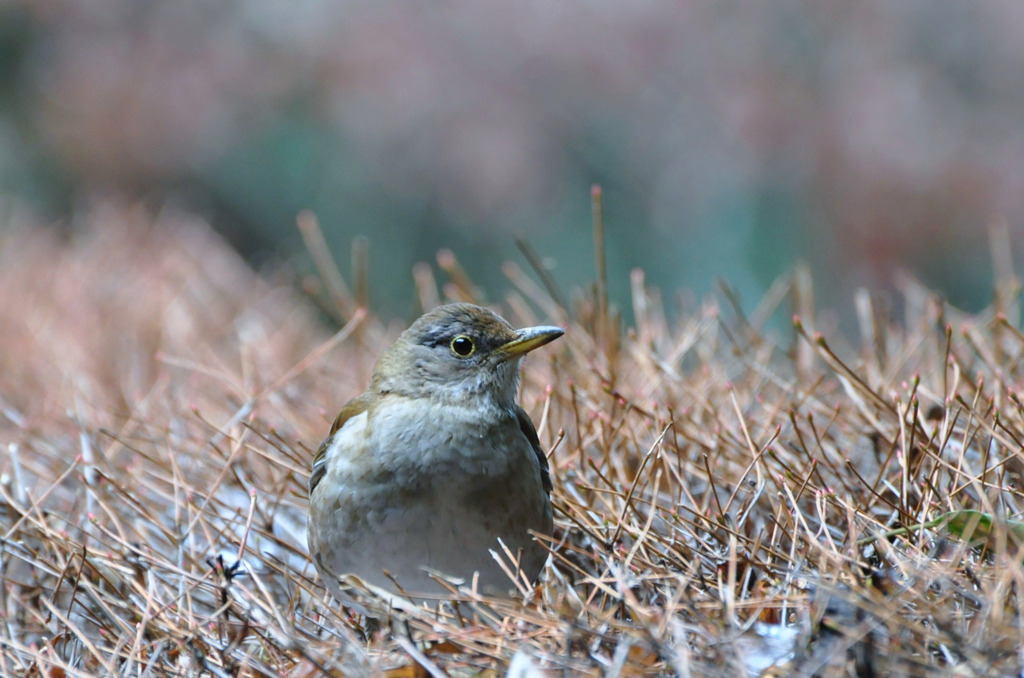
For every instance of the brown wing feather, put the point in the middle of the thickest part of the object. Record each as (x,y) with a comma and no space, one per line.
(526,426)
(353,408)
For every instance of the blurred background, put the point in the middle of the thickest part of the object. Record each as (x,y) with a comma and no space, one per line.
(732,139)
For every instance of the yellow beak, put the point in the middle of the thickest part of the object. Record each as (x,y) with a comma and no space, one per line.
(528,339)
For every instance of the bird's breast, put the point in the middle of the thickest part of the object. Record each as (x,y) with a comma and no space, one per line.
(423,437)
(434,486)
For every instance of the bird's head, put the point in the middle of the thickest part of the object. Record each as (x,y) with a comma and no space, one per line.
(458,352)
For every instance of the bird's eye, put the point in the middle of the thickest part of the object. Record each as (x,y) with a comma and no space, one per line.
(463,346)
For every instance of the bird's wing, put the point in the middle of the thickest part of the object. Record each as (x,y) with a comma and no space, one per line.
(354,408)
(526,426)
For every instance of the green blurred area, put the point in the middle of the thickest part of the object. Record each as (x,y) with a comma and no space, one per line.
(731,142)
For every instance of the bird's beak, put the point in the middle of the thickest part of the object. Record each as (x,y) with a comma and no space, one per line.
(528,339)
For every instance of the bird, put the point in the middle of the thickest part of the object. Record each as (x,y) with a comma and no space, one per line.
(436,462)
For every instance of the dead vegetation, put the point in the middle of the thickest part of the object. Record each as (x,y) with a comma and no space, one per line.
(729,499)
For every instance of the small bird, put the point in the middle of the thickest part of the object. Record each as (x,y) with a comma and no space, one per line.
(435,462)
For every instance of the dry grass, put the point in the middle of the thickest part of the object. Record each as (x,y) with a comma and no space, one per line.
(713,485)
